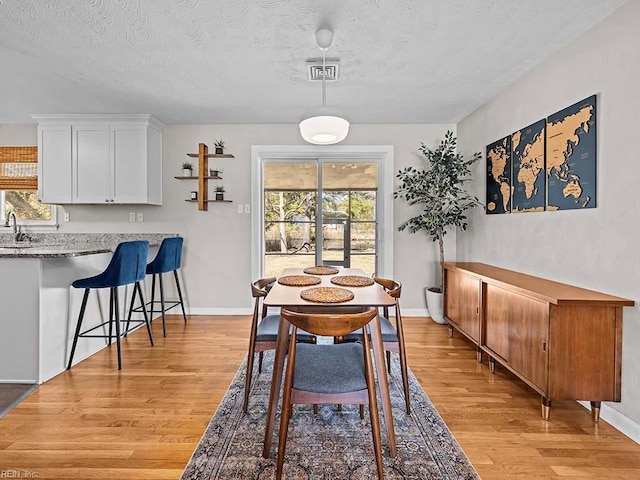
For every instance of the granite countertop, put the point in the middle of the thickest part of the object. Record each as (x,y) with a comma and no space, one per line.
(60,245)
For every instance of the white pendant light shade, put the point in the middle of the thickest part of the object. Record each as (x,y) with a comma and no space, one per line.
(324,125)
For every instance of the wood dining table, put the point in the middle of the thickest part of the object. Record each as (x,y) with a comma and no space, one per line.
(289,297)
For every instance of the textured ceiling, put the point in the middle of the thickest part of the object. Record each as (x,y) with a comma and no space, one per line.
(243,61)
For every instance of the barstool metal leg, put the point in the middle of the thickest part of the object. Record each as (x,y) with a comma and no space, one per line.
(153,295)
(144,311)
(110,317)
(116,308)
(164,317)
(133,297)
(80,317)
(184,315)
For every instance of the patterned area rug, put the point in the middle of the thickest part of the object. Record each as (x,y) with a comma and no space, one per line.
(330,445)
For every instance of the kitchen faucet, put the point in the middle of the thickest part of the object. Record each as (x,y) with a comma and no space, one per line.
(18,236)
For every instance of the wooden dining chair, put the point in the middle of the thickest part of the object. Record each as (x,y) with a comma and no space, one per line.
(264,332)
(343,377)
(392,334)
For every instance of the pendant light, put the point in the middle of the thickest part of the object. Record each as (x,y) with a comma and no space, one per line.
(324,125)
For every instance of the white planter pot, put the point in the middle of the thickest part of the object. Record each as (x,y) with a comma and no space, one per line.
(186,172)
(435,304)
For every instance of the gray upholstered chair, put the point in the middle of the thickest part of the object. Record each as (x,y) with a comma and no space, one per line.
(340,373)
(392,334)
(264,332)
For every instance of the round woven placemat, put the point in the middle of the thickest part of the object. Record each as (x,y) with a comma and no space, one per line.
(326,294)
(299,280)
(321,270)
(352,281)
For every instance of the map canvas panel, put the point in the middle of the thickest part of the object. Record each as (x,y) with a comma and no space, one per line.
(499,176)
(527,155)
(571,157)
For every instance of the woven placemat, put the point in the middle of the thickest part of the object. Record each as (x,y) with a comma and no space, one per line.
(327,294)
(352,281)
(299,280)
(321,270)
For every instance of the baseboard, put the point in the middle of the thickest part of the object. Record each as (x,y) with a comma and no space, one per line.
(219,311)
(415,312)
(617,420)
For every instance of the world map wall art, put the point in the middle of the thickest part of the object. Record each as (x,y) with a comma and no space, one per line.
(549,165)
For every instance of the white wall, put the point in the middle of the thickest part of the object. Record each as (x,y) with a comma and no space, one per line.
(593,248)
(217,269)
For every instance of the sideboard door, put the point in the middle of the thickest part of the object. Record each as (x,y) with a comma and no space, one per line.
(462,303)
(517,330)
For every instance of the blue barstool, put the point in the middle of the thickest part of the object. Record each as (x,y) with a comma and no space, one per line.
(127,266)
(168,259)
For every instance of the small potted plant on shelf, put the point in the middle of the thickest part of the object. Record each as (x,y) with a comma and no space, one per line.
(219,145)
(215,173)
(187,169)
(219,192)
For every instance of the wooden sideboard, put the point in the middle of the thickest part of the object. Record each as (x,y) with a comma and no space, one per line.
(563,341)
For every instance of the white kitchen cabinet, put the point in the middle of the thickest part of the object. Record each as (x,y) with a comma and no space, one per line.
(110,159)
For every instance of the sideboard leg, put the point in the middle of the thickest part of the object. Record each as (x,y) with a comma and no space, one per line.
(595,411)
(546,408)
(492,365)
(450,331)
(479,355)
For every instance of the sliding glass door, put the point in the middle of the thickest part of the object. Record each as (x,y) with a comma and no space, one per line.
(320,212)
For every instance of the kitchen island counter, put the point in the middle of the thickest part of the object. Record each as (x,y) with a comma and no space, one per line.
(40,309)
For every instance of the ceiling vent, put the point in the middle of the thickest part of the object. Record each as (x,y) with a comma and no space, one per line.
(314,70)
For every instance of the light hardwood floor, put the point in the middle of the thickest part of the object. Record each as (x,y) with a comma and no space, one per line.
(144,421)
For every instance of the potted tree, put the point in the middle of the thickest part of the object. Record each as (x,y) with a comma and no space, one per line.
(440,191)
(219,192)
(187,169)
(219,146)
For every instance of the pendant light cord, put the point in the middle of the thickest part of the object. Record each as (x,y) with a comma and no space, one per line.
(324,77)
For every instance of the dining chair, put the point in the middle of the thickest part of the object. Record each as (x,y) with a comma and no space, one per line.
(127,266)
(392,335)
(264,332)
(338,373)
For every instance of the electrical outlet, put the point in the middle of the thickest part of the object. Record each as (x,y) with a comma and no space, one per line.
(66,216)
(132,216)
(140,217)
(239,208)
(247,208)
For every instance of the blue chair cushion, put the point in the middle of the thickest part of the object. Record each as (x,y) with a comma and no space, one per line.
(329,368)
(268,330)
(168,258)
(128,265)
(388,329)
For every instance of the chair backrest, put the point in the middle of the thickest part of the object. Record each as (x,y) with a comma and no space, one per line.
(392,287)
(329,324)
(128,264)
(169,256)
(259,289)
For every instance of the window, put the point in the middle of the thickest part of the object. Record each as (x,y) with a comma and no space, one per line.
(19,185)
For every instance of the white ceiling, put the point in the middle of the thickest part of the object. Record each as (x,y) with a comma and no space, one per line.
(243,61)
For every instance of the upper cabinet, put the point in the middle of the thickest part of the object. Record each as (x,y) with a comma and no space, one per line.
(99,159)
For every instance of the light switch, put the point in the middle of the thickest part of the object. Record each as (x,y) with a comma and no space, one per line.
(239,208)
(247,208)
(140,217)
(66,216)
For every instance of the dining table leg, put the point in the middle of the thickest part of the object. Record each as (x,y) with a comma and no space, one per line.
(383,382)
(276,380)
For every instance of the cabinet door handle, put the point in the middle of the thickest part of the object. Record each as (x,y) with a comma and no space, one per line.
(544,346)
